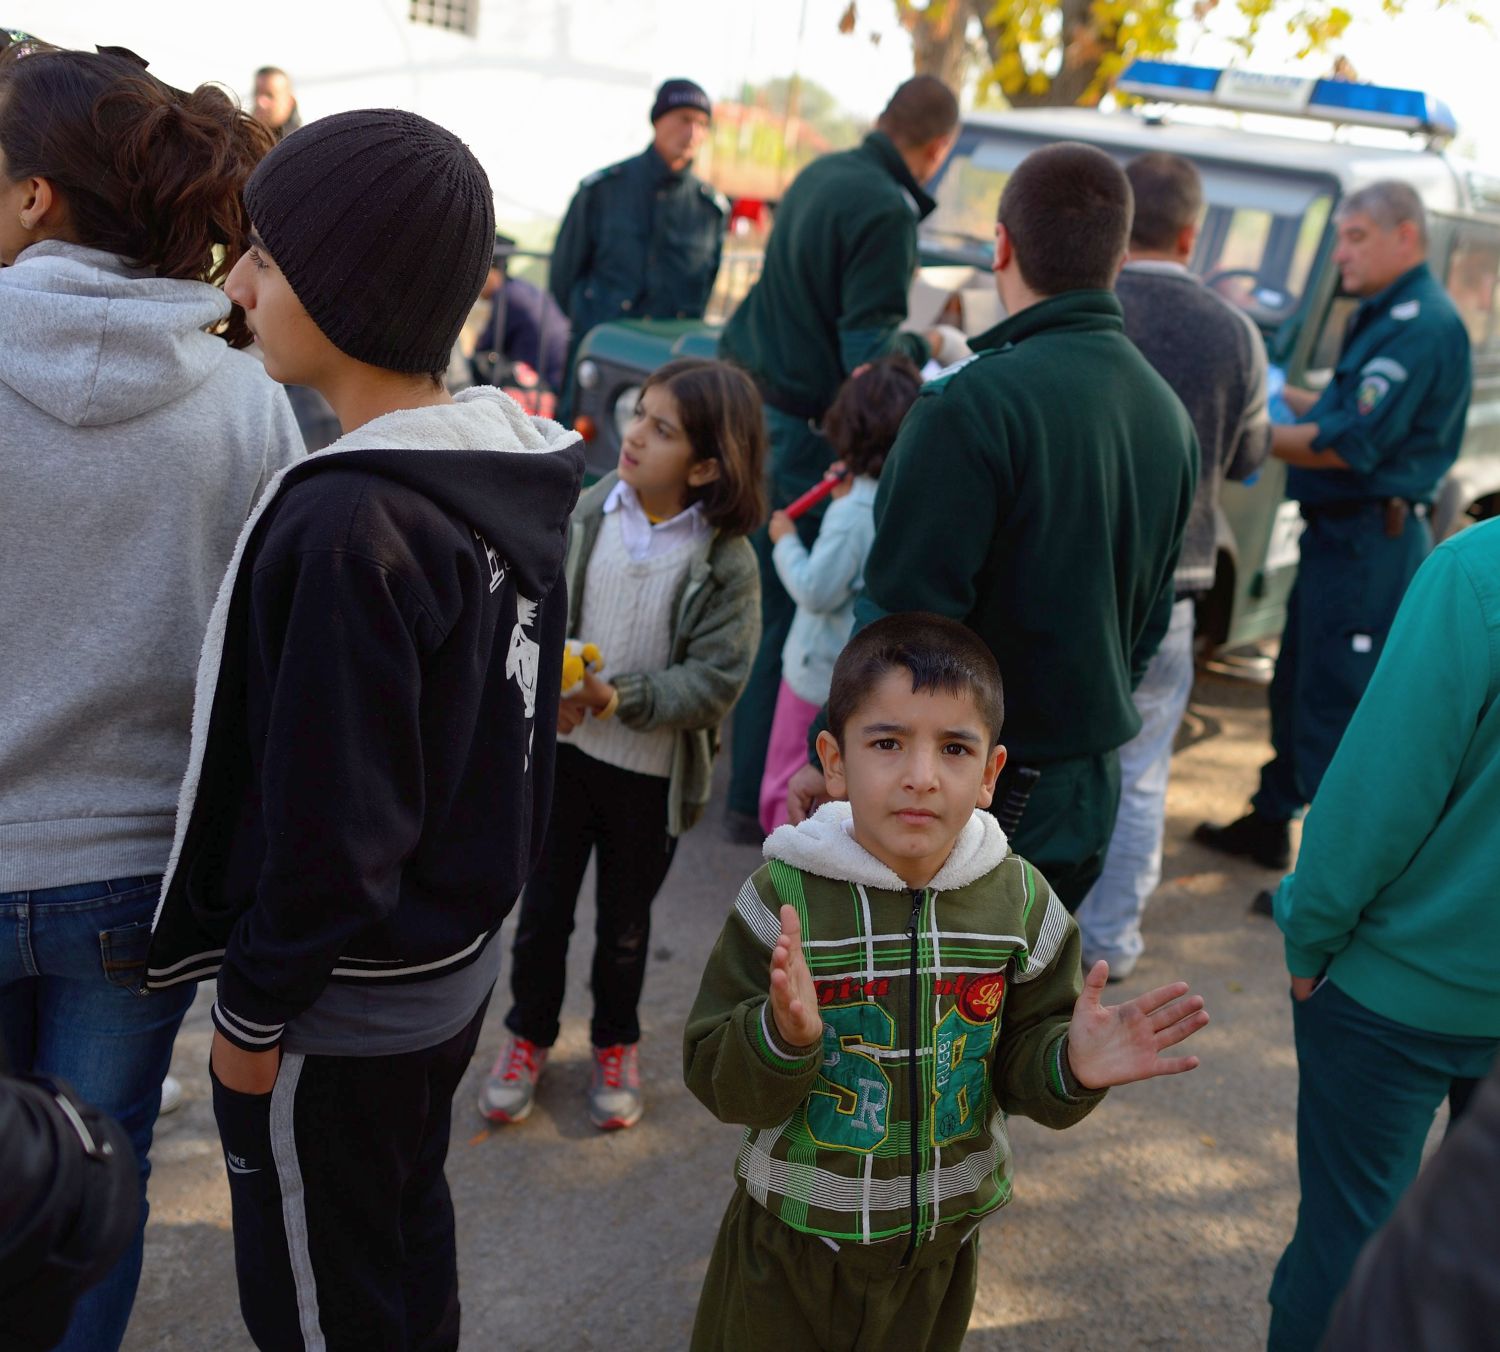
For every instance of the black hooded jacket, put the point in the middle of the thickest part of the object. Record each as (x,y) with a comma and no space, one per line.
(373,740)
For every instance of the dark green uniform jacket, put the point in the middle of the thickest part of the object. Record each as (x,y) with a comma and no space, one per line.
(1039,493)
(838,268)
(1396,406)
(640,242)
(894,1124)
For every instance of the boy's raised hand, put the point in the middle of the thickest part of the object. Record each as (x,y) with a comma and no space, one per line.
(794,1000)
(1118,1044)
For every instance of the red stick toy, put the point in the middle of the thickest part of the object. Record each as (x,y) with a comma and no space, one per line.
(817,492)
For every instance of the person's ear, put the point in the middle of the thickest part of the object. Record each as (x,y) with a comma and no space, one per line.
(992,768)
(833,765)
(1410,239)
(41,205)
(1005,252)
(703,472)
(1187,237)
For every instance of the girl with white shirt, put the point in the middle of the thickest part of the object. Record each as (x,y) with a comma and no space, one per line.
(663,581)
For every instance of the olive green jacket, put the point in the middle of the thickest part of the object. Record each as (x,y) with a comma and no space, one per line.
(715,631)
(944,1009)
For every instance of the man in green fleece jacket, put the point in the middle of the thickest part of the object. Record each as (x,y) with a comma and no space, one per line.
(831,297)
(1391,924)
(890,986)
(1039,493)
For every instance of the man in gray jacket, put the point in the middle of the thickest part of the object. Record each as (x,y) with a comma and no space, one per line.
(1212,356)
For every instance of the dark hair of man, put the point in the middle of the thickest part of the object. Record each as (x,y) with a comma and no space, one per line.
(940,654)
(722,420)
(920,111)
(1067,210)
(147,171)
(1168,198)
(862,423)
(267,72)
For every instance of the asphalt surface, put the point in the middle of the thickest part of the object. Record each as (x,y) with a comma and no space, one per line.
(1153,1224)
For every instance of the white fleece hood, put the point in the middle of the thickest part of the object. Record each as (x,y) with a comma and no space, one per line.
(92,341)
(824,845)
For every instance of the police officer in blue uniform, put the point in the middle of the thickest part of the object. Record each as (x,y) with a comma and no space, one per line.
(642,238)
(1365,461)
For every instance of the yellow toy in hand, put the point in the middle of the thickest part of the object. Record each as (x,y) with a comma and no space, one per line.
(578,658)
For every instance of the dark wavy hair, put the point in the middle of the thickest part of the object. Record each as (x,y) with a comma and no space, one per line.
(862,422)
(147,171)
(722,419)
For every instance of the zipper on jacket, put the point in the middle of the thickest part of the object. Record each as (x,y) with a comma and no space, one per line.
(913,1071)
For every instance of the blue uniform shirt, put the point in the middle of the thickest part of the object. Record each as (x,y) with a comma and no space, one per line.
(1396,406)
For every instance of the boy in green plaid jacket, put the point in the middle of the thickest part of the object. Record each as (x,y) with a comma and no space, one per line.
(891,984)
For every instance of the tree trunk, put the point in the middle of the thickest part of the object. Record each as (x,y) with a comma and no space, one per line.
(940,46)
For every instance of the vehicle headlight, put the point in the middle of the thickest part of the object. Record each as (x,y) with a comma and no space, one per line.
(587,375)
(625,407)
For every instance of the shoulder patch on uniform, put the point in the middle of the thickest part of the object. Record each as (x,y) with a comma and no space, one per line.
(911,202)
(1372,389)
(715,196)
(941,378)
(599,175)
(1384,366)
(1408,309)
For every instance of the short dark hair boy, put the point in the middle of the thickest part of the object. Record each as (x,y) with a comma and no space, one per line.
(1067,208)
(366,793)
(944,993)
(1168,197)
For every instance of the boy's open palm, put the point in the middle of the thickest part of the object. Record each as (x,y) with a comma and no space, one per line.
(1117,1044)
(794,1001)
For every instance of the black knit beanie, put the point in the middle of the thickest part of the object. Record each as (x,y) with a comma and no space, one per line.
(383,224)
(676,94)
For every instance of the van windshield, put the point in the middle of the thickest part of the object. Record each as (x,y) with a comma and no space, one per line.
(1257,240)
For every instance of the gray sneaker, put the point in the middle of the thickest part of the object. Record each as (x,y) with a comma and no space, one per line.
(510,1090)
(615,1094)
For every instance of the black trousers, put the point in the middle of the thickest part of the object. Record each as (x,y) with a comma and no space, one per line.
(623,816)
(343,1223)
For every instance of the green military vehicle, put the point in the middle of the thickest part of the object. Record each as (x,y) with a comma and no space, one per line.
(1265,244)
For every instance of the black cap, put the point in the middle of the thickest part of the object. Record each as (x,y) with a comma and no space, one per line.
(678,94)
(383,224)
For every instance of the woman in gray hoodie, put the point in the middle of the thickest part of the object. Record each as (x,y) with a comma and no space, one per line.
(134,441)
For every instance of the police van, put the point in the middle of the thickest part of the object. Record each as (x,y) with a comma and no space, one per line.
(1265,244)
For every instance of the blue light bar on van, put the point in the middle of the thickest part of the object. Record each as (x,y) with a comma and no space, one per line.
(1361,105)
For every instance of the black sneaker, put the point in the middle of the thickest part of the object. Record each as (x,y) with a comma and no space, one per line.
(1268,843)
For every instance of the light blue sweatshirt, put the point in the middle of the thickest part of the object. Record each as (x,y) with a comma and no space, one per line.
(1395,889)
(823,582)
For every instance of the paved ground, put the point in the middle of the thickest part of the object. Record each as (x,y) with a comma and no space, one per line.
(1153,1224)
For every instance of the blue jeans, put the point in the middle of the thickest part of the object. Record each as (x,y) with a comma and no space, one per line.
(72,961)
(1110,916)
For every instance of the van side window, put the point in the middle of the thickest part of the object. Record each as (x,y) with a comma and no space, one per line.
(1473,282)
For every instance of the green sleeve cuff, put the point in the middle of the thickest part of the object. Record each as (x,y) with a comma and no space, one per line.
(1060,1078)
(1304,961)
(788,1060)
(635,698)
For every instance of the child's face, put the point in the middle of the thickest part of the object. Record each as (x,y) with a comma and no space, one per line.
(913,768)
(656,458)
(295,349)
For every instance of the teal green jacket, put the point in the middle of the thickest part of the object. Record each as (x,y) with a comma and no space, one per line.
(832,294)
(1039,493)
(1396,406)
(1395,890)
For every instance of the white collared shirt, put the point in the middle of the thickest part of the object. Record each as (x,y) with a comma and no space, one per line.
(644,539)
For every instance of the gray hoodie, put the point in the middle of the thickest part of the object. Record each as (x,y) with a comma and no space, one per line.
(133,445)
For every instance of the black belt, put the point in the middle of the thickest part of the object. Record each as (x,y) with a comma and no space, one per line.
(1351,507)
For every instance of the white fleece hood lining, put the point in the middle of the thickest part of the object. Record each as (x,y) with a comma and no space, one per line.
(478,419)
(824,845)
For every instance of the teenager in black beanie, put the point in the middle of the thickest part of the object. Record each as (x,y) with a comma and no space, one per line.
(372,752)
